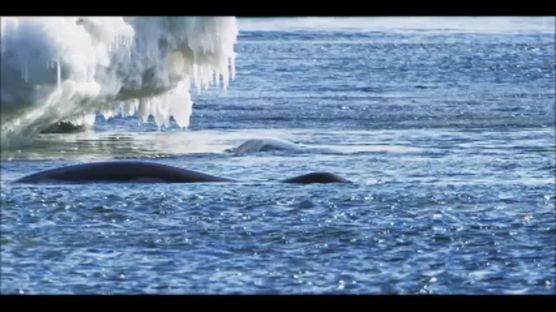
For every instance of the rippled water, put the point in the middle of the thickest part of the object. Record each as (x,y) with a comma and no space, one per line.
(449,139)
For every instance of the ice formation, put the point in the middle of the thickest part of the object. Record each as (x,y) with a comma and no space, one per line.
(70,68)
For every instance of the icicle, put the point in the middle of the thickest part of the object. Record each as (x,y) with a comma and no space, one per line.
(58,74)
(25,72)
(232,67)
(107,59)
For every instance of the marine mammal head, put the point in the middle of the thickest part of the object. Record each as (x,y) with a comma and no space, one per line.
(265,145)
(317,177)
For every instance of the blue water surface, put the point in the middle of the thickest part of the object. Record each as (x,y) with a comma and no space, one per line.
(449,139)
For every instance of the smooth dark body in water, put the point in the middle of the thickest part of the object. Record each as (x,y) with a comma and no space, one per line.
(137,172)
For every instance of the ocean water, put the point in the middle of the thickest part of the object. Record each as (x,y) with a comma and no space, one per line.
(448,135)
